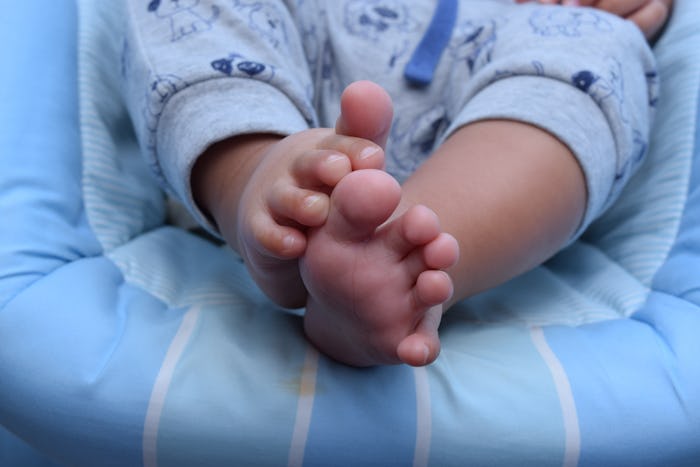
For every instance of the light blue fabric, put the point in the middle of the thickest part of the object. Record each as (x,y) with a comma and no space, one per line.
(127,342)
(15,452)
(640,376)
(44,225)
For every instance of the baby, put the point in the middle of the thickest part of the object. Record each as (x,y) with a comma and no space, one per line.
(476,139)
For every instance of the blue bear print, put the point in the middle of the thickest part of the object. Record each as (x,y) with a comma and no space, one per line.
(474,43)
(604,88)
(567,22)
(386,21)
(584,80)
(265,19)
(373,19)
(237,65)
(184,16)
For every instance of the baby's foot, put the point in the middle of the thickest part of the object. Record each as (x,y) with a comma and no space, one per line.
(282,204)
(375,285)
(287,193)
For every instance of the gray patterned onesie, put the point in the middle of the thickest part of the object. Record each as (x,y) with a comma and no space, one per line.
(199,71)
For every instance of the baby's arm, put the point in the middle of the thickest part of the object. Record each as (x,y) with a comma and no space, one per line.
(649,15)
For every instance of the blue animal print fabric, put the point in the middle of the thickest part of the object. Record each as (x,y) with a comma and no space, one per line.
(199,71)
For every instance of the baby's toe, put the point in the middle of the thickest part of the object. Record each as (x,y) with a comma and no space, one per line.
(442,252)
(432,288)
(268,238)
(360,203)
(305,207)
(423,346)
(321,167)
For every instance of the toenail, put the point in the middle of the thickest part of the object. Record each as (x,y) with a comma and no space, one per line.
(309,201)
(333,158)
(426,354)
(288,242)
(368,152)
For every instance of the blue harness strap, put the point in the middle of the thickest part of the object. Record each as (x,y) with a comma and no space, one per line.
(420,69)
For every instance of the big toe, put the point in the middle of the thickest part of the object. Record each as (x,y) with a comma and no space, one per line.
(361,202)
(366,111)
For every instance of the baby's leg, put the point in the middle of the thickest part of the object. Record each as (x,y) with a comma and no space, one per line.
(376,287)
(510,193)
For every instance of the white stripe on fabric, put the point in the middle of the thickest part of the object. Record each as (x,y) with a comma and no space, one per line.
(424,430)
(305,405)
(162,385)
(572,432)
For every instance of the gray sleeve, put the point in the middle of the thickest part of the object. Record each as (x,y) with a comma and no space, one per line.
(584,76)
(198,71)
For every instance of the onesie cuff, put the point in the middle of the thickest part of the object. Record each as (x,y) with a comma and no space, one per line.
(211,111)
(562,110)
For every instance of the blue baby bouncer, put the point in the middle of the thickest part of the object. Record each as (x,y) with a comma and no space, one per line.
(126,341)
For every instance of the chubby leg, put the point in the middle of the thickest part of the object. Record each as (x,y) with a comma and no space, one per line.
(510,193)
(372,283)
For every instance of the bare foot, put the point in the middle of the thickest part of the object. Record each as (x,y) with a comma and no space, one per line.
(263,191)
(273,233)
(287,193)
(376,287)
